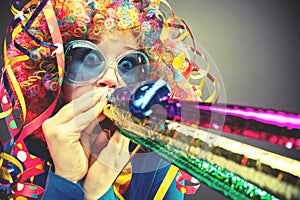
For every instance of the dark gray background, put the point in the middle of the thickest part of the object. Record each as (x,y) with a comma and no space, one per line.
(255,44)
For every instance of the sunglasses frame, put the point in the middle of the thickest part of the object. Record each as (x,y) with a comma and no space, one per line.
(86,43)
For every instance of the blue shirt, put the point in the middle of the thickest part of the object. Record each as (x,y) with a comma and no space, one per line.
(149,171)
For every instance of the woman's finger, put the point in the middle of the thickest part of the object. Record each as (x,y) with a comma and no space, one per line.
(125,144)
(84,119)
(80,105)
(85,141)
(99,142)
(116,154)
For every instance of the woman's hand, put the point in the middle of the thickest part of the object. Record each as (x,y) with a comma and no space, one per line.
(107,167)
(63,131)
(79,147)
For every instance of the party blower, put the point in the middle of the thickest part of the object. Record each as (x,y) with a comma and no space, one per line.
(187,134)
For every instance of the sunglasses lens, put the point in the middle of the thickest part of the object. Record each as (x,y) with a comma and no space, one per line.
(134,68)
(83,61)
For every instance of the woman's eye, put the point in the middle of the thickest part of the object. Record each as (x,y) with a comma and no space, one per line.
(126,65)
(131,61)
(92,59)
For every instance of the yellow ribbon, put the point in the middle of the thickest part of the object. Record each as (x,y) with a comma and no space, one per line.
(166,183)
(5,156)
(10,73)
(5,113)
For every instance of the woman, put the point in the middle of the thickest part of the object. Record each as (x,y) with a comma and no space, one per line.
(107,44)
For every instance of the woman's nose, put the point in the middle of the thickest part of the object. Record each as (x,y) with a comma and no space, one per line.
(109,78)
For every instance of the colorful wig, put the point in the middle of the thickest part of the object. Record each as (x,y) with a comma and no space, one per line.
(157,30)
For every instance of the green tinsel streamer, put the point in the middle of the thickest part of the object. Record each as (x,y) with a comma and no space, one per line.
(215,177)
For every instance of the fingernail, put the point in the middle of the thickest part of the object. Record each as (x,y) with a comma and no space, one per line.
(104,97)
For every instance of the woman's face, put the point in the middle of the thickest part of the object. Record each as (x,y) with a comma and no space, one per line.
(112,46)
